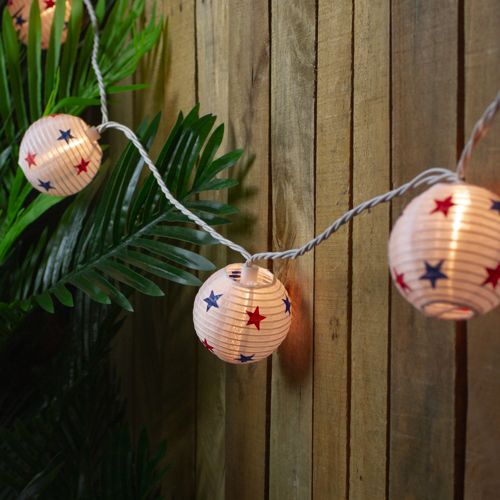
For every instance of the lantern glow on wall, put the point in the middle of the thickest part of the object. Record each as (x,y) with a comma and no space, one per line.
(20,12)
(242,313)
(59,154)
(444,251)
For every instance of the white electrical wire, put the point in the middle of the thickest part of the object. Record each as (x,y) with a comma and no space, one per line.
(168,195)
(428,177)
(95,63)
(480,129)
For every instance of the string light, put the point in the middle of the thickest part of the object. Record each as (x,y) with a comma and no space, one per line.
(20,12)
(444,251)
(59,154)
(242,313)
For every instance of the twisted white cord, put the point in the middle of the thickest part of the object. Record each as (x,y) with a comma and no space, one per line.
(95,63)
(480,129)
(428,177)
(168,195)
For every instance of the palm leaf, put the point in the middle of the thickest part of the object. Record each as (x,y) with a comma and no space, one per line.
(77,445)
(119,233)
(65,89)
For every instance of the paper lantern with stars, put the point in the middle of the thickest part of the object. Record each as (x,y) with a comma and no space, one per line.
(242,313)
(59,154)
(20,12)
(444,251)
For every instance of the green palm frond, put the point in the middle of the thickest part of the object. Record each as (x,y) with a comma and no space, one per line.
(77,444)
(120,232)
(61,80)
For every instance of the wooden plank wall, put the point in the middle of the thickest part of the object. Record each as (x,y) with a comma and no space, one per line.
(333,101)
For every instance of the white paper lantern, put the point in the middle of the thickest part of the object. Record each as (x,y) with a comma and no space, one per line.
(20,12)
(444,251)
(242,313)
(59,154)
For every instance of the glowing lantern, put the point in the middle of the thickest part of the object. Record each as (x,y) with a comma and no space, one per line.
(59,154)
(444,251)
(242,313)
(20,12)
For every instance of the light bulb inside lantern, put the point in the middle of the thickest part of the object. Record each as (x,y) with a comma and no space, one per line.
(20,12)
(242,313)
(444,251)
(60,154)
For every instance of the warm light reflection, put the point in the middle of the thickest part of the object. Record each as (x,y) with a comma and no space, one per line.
(59,154)
(242,315)
(20,13)
(444,251)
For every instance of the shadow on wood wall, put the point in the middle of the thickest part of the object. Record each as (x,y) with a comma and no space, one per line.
(338,101)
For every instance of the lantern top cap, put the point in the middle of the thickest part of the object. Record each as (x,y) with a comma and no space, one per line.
(249,277)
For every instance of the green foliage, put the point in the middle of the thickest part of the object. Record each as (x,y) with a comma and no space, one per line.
(60,80)
(120,231)
(77,445)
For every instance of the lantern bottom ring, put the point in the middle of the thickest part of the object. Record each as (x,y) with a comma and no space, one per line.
(449,310)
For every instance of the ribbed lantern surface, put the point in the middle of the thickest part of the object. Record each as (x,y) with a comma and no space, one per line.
(20,12)
(59,154)
(242,314)
(444,251)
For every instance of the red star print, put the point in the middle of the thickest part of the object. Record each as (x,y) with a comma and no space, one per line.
(254,318)
(208,346)
(9,2)
(493,276)
(443,206)
(400,280)
(82,166)
(49,4)
(30,159)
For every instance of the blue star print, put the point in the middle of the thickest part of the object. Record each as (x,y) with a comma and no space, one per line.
(495,205)
(65,135)
(244,359)
(433,273)
(20,21)
(288,305)
(212,299)
(45,185)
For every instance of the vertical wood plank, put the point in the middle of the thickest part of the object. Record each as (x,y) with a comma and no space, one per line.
(370,287)
(424,63)
(164,345)
(292,142)
(179,90)
(212,35)
(331,301)
(482,77)
(248,128)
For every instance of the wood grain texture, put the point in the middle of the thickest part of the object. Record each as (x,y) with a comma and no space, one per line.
(331,300)
(370,286)
(212,34)
(248,128)
(374,390)
(179,92)
(482,79)
(424,103)
(164,345)
(292,142)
